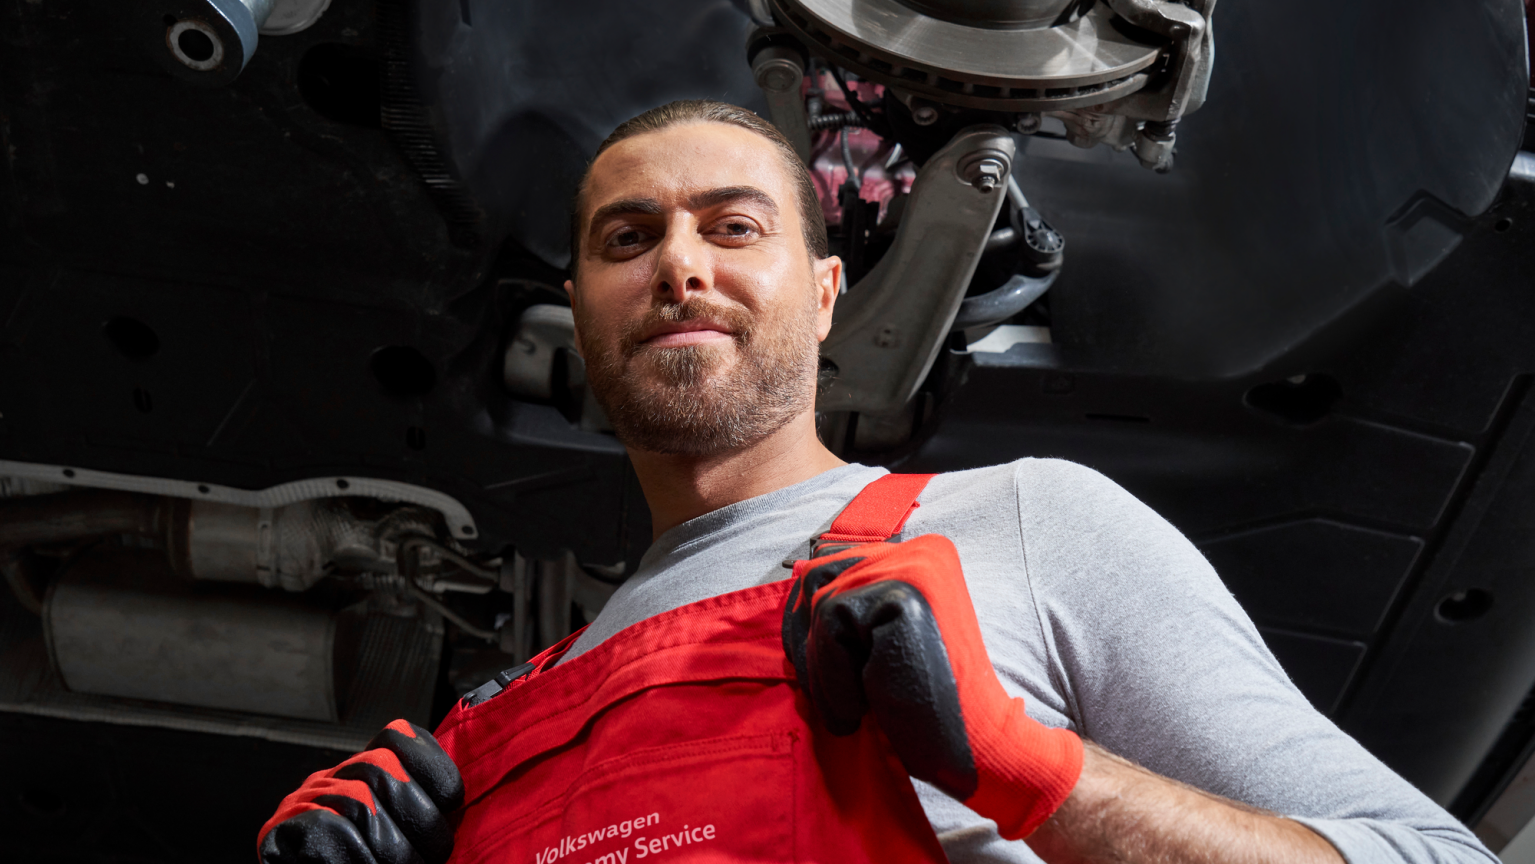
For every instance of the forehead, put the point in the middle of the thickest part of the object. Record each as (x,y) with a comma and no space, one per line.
(676,161)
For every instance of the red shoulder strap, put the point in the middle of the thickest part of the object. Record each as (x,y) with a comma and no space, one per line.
(879,511)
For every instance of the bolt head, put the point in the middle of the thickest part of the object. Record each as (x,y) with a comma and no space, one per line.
(779,76)
(924,115)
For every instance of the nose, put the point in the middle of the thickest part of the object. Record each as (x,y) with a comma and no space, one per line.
(682,264)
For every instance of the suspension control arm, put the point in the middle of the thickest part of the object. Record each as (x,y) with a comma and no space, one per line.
(889,328)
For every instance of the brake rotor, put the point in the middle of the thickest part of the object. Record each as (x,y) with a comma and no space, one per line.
(996,55)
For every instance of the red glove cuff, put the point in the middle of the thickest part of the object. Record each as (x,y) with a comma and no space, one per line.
(1027,770)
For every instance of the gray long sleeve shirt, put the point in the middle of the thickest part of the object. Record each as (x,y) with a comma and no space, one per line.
(1107,621)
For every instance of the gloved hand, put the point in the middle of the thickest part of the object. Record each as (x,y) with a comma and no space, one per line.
(889,628)
(386,805)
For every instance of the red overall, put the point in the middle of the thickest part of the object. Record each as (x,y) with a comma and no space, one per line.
(685,737)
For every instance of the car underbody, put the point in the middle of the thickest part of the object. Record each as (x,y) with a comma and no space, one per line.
(294,438)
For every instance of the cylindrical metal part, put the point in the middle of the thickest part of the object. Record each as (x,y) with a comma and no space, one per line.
(556,583)
(277,547)
(1010,14)
(120,625)
(61,517)
(1154,145)
(206,41)
(229,543)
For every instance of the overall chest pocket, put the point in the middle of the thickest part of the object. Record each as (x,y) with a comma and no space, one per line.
(718,800)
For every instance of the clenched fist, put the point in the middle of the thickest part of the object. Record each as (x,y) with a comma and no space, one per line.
(386,805)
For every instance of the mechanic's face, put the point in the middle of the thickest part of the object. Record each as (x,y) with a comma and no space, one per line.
(698,308)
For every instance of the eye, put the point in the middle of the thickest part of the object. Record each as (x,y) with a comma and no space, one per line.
(626,237)
(628,241)
(735,229)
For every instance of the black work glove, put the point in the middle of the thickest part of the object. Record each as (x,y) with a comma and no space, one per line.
(890,630)
(387,805)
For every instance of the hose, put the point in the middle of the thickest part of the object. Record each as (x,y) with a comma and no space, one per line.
(404,556)
(444,611)
(836,120)
(847,162)
(407,558)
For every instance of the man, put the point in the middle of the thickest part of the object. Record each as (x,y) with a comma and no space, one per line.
(701,286)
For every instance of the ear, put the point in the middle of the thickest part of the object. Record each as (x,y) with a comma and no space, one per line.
(570,291)
(828,284)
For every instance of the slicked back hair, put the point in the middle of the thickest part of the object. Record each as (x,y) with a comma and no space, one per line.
(812,222)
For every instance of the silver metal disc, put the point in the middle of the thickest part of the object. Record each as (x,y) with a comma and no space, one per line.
(1085,62)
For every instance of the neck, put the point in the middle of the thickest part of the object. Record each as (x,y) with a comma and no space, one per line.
(679,488)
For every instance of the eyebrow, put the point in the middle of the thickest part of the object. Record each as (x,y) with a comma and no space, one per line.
(698,201)
(732,194)
(627,207)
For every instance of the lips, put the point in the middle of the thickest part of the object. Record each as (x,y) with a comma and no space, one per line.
(682,334)
(694,323)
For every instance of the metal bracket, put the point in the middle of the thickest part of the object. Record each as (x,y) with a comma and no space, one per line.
(889,328)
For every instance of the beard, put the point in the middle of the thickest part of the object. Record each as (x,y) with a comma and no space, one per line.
(708,399)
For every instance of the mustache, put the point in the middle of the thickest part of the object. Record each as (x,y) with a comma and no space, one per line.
(737,320)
